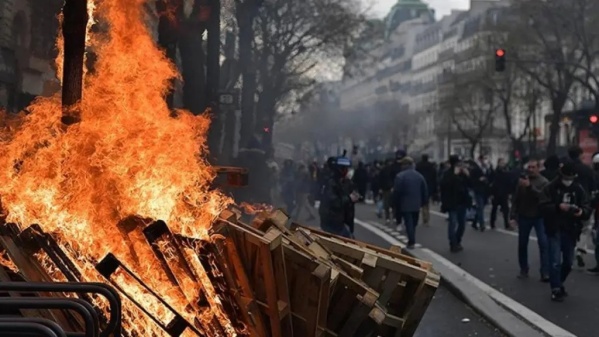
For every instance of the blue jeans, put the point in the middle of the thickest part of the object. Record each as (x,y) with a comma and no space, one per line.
(456,226)
(561,257)
(411,221)
(480,202)
(525,226)
(342,231)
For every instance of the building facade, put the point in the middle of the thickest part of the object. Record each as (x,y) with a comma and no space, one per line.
(420,80)
(28,32)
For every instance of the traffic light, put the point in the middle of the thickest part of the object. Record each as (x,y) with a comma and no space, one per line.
(594,119)
(594,125)
(500,60)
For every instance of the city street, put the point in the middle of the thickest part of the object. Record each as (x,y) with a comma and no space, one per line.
(492,258)
(447,316)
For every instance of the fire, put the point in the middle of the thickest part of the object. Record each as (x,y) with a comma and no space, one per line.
(127,156)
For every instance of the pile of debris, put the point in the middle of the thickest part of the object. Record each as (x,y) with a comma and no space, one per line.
(270,277)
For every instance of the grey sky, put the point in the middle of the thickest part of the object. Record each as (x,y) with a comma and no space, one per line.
(381,7)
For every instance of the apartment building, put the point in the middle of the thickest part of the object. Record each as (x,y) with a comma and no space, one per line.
(28,30)
(416,71)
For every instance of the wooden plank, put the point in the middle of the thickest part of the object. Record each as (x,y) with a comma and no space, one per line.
(358,315)
(309,282)
(417,310)
(388,262)
(394,252)
(244,294)
(274,266)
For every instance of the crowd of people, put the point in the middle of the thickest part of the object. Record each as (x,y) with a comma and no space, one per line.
(557,197)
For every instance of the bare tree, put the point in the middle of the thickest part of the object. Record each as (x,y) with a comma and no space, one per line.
(584,24)
(543,49)
(472,108)
(292,39)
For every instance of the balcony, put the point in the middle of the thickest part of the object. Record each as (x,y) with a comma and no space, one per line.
(383,89)
(447,54)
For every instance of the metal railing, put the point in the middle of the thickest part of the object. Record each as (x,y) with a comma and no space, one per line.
(33,326)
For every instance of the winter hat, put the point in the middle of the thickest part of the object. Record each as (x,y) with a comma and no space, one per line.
(568,170)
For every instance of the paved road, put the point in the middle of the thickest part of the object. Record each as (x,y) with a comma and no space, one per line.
(446,312)
(492,257)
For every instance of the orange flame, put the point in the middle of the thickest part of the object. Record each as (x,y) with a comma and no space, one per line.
(127,156)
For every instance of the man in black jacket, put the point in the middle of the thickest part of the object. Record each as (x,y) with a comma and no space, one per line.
(501,188)
(454,201)
(527,214)
(337,202)
(564,204)
(479,178)
(586,178)
(428,171)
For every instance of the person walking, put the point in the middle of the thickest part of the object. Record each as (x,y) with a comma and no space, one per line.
(585,176)
(429,172)
(454,201)
(526,214)
(386,179)
(551,167)
(564,205)
(410,194)
(336,203)
(501,182)
(595,205)
(479,176)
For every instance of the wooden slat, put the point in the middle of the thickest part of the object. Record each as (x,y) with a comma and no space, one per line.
(243,292)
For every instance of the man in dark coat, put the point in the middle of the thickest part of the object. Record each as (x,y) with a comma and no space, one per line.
(336,206)
(479,177)
(454,200)
(564,205)
(410,194)
(585,176)
(428,171)
(501,188)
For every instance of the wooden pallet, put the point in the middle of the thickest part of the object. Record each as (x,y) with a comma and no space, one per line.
(403,285)
(278,279)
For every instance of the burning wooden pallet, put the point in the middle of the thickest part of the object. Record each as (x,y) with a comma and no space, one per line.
(271,278)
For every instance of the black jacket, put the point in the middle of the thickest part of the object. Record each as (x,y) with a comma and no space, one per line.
(557,220)
(526,199)
(335,203)
(585,177)
(454,191)
(479,180)
(428,171)
(501,183)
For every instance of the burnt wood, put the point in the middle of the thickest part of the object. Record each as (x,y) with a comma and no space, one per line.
(74,25)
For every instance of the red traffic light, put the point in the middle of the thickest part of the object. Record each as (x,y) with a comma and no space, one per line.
(266,129)
(594,119)
(500,52)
